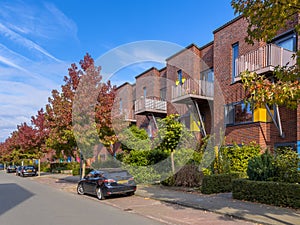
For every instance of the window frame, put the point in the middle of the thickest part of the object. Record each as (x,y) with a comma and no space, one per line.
(234,56)
(232,110)
(286,36)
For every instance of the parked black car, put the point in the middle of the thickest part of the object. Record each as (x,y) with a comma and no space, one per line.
(28,171)
(1,166)
(18,171)
(11,169)
(107,182)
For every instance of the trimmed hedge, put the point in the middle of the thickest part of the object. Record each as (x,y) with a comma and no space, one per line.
(218,183)
(272,193)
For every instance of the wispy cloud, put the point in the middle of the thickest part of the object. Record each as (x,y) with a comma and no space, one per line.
(136,53)
(28,69)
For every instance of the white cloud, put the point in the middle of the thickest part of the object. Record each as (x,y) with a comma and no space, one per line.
(28,70)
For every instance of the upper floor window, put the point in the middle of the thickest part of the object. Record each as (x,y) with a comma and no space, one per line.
(121,105)
(235,54)
(163,93)
(179,77)
(207,75)
(237,113)
(287,41)
(144,92)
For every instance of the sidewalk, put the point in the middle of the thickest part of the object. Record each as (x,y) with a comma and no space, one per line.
(218,203)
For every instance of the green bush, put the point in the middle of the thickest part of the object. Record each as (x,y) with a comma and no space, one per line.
(217,183)
(240,155)
(108,163)
(273,193)
(286,165)
(145,175)
(281,167)
(261,168)
(45,167)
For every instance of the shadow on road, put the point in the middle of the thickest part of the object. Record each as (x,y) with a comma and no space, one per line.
(8,202)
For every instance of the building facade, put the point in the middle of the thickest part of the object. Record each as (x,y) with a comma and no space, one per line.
(203,86)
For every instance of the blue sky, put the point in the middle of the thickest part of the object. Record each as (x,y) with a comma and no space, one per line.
(40,39)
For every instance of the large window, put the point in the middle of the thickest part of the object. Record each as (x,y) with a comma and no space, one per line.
(235,55)
(238,113)
(207,75)
(163,93)
(287,41)
(145,92)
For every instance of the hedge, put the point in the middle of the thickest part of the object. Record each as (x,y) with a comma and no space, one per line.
(272,193)
(218,183)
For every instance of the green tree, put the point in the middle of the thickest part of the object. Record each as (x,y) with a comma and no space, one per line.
(133,138)
(266,18)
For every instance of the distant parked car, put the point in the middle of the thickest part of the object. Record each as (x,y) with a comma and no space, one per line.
(28,171)
(11,169)
(18,171)
(1,166)
(107,182)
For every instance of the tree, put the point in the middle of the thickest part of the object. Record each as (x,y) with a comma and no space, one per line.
(266,18)
(173,135)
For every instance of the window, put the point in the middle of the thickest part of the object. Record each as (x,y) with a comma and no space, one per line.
(179,77)
(242,113)
(163,93)
(235,54)
(238,113)
(121,105)
(287,41)
(207,75)
(145,92)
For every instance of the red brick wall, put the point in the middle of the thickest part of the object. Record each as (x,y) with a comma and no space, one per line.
(226,92)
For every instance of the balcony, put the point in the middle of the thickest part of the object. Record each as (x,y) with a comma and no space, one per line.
(150,105)
(193,90)
(263,60)
(126,115)
(129,115)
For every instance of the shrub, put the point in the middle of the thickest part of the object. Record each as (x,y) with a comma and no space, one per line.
(45,167)
(217,183)
(282,167)
(143,174)
(286,165)
(261,168)
(109,163)
(187,176)
(274,193)
(240,155)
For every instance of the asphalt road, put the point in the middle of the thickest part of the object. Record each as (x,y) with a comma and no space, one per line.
(24,202)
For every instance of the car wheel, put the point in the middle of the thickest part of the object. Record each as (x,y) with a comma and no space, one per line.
(99,193)
(80,189)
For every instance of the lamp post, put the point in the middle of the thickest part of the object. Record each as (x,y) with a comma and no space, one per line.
(80,169)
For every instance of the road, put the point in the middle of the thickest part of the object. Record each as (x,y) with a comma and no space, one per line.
(24,202)
(45,200)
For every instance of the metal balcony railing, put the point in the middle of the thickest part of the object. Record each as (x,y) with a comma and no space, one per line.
(193,88)
(150,104)
(263,59)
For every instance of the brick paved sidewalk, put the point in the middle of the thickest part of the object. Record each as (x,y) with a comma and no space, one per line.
(218,203)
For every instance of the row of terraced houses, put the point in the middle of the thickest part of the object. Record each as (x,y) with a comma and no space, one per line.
(203,86)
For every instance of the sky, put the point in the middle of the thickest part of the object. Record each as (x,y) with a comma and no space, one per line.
(40,39)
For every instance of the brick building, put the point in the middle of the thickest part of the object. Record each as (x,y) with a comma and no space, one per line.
(202,85)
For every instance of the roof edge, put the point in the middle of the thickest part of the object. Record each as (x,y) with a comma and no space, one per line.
(228,23)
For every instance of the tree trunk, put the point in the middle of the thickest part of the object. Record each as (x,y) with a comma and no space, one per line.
(172,162)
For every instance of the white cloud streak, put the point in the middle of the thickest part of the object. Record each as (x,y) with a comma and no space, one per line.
(28,71)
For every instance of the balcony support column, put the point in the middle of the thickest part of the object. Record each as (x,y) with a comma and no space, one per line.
(276,119)
(201,125)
